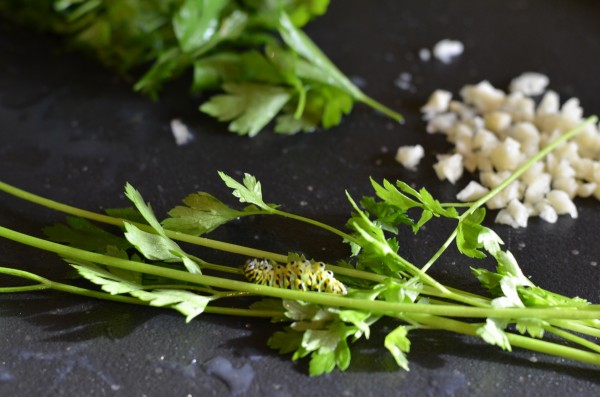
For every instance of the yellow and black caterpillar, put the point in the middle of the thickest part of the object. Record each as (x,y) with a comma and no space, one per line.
(299,275)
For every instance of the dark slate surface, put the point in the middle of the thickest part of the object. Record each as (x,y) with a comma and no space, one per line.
(72,131)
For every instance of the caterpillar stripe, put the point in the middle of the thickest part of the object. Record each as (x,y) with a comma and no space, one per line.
(299,275)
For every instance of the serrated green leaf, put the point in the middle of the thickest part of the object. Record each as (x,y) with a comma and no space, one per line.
(398,343)
(493,333)
(249,106)
(322,340)
(426,215)
(144,208)
(468,232)
(388,217)
(109,282)
(286,341)
(490,241)
(300,311)
(342,355)
(398,197)
(392,196)
(508,285)
(153,246)
(375,249)
(360,319)
(489,280)
(532,326)
(337,104)
(185,302)
(203,214)
(402,292)
(248,192)
(433,205)
(507,265)
(321,363)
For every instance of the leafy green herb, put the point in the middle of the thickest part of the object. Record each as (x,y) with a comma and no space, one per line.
(203,213)
(253,51)
(321,326)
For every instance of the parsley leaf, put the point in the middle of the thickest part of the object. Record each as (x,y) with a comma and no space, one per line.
(493,333)
(110,282)
(472,236)
(286,341)
(154,246)
(398,197)
(188,303)
(185,302)
(222,42)
(250,106)
(202,214)
(398,344)
(248,192)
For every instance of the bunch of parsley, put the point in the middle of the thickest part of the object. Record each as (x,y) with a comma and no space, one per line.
(147,265)
(253,51)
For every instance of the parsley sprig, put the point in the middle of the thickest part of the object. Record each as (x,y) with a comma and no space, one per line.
(253,53)
(145,263)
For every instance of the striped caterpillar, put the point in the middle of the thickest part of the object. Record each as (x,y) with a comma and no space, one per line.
(299,275)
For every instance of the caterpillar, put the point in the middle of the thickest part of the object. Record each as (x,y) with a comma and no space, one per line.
(301,275)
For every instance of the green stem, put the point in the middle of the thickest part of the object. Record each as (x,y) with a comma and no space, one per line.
(515,340)
(513,177)
(577,327)
(24,288)
(45,284)
(202,241)
(573,338)
(319,298)
(537,157)
(441,250)
(381,108)
(233,248)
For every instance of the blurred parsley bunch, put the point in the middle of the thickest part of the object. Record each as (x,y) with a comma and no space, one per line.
(253,53)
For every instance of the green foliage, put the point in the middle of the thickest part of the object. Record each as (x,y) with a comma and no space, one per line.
(472,236)
(222,42)
(321,326)
(398,344)
(397,200)
(493,333)
(81,233)
(321,333)
(157,245)
(202,214)
(249,191)
(188,303)
(249,106)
